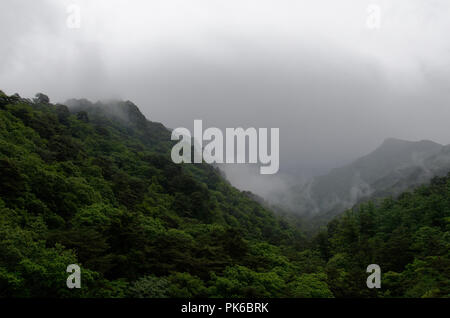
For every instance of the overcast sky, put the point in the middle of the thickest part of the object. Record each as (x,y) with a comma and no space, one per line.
(334,86)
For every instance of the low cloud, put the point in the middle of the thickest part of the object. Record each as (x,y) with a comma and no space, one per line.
(335,88)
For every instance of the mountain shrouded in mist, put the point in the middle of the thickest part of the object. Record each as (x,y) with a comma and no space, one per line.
(392,168)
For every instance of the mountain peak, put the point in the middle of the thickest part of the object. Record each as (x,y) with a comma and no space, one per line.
(394,152)
(126,111)
(392,141)
(395,142)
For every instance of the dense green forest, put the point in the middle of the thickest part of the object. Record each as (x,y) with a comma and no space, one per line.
(94,185)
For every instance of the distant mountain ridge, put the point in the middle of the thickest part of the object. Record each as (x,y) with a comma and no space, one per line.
(395,166)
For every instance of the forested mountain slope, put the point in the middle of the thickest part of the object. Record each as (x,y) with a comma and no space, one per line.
(409,238)
(94,185)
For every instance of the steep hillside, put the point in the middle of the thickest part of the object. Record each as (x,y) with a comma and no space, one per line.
(94,185)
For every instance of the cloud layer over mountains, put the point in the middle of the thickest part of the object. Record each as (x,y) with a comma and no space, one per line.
(334,87)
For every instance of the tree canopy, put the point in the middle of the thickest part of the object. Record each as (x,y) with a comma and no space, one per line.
(93,185)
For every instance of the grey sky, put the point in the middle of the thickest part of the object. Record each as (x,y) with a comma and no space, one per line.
(334,87)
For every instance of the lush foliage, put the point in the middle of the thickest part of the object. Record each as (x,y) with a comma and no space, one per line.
(94,185)
(409,238)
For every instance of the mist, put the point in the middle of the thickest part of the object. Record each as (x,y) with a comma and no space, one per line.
(335,87)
